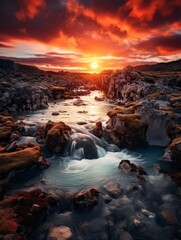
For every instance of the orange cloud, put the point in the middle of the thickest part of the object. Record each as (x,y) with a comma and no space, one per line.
(29,9)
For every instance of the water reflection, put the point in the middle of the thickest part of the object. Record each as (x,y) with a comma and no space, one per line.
(92,111)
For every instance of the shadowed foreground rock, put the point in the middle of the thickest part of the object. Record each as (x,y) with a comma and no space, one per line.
(23,212)
(85,199)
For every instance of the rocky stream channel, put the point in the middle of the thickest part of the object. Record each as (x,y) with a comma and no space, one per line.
(90,168)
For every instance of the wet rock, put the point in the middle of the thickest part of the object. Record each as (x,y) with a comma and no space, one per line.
(143,217)
(97,228)
(84,112)
(82,146)
(20,126)
(81,123)
(79,102)
(97,130)
(126,166)
(125,235)
(99,99)
(86,198)
(169,217)
(61,233)
(67,201)
(55,113)
(57,135)
(114,189)
(35,208)
(41,134)
(107,198)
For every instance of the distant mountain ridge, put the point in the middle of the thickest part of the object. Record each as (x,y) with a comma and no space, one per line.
(162,67)
(9,66)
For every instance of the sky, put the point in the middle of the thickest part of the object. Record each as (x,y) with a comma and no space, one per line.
(71,35)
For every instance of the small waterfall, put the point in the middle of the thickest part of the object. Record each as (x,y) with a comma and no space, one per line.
(83,144)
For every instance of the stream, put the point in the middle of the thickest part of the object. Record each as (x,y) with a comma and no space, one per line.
(134,214)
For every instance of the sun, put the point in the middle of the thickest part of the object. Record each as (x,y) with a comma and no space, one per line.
(94,65)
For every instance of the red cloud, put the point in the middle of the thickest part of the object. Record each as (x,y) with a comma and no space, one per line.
(119,28)
(29,9)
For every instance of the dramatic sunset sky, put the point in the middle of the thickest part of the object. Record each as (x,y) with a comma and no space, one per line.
(73,34)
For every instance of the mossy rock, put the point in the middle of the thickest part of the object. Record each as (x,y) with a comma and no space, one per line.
(7,126)
(57,134)
(18,160)
(126,109)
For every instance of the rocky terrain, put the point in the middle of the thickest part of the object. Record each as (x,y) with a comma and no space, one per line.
(26,88)
(147,113)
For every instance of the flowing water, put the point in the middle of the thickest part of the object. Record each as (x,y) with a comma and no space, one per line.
(137,210)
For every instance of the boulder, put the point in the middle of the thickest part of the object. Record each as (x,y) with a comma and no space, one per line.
(97,130)
(86,198)
(22,157)
(99,99)
(57,92)
(114,190)
(55,113)
(127,130)
(7,125)
(81,146)
(61,233)
(79,102)
(57,135)
(158,123)
(126,166)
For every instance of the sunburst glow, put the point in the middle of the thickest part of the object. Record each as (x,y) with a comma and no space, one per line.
(94,65)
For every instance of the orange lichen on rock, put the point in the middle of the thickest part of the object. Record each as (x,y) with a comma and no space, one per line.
(6,127)
(126,109)
(19,159)
(57,134)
